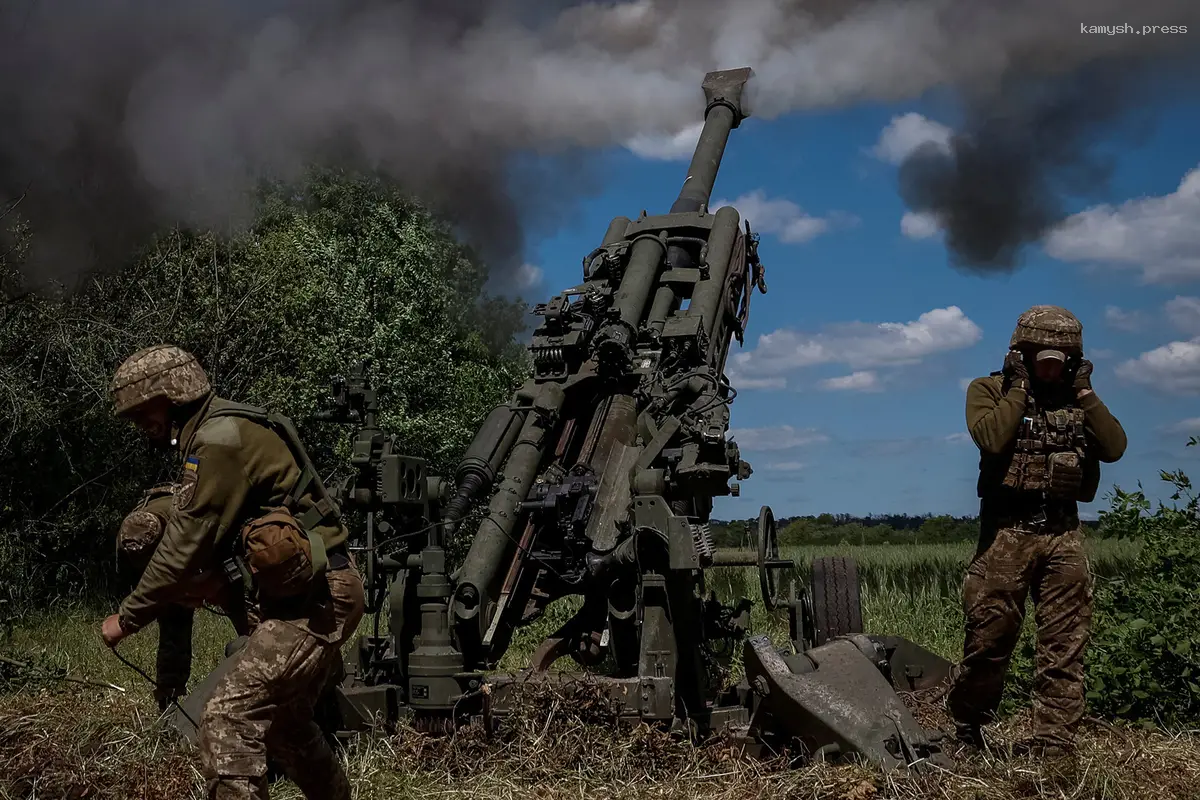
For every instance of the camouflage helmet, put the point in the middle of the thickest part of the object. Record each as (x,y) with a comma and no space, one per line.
(1048,326)
(163,370)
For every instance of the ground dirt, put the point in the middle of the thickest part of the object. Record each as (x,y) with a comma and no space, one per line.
(66,741)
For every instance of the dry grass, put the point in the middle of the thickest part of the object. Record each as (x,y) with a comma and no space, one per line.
(76,743)
(60,740)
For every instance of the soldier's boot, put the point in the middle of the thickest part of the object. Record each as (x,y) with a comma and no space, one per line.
(307,759)
(969,735)
(236,788)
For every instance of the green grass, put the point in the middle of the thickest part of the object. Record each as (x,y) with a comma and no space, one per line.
(907,590)
(64,740)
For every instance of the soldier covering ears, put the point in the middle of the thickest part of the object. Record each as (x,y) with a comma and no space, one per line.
(1042,433)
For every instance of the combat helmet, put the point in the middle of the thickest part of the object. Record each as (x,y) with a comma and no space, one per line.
(1048,326)
(163,370)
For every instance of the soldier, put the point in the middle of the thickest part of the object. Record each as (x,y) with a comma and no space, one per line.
(1042,432)
(250,506)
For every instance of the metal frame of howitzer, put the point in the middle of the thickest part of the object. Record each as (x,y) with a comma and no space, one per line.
(601,474)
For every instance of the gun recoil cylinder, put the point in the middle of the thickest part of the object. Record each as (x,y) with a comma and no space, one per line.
(479,467)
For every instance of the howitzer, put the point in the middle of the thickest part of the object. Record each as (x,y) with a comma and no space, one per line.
(599,478)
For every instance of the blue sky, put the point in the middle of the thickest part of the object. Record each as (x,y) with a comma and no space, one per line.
(852,378)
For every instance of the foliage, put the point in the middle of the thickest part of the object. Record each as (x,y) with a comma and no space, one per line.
(846,529)
(1144,662)
(338,269)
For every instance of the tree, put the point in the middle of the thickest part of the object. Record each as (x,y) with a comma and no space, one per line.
(338,269)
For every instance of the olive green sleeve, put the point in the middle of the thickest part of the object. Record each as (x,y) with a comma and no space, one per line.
(1103,429)
(207,504)
(993,419)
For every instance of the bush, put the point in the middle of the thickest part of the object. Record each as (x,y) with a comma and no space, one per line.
(1144,662)
(339,269)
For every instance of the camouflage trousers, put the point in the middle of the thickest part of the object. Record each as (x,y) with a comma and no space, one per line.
(1051,568)
(264,705)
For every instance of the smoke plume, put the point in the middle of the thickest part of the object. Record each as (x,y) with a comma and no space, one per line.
(120,116)
(1004,178)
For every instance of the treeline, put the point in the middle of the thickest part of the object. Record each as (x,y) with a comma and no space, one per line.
(836,529)
(335,269)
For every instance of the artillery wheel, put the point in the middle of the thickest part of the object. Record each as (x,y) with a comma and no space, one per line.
(836,598)
(768,555)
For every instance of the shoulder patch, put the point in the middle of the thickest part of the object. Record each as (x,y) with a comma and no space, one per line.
(222,431)
(187,482)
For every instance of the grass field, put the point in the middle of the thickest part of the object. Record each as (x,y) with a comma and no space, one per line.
(65,740)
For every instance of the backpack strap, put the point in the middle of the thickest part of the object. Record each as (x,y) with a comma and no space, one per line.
(324,508)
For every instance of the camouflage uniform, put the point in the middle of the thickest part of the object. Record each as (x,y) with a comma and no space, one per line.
(237,469)
(1040,453)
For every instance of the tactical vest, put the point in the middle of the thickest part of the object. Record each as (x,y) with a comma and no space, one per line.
(1049,453)
(281,559)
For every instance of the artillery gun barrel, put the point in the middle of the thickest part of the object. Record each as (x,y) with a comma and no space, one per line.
(724,112)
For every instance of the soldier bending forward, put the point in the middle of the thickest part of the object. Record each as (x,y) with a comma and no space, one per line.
(248,503)
(1042,433)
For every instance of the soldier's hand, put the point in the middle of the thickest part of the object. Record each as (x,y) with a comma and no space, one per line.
(1015,369)
(111,630)
(1083,376)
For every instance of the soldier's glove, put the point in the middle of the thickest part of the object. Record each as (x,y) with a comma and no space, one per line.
(1083,376)
(1015,370)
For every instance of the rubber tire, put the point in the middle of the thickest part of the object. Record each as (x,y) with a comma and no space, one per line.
(836,598)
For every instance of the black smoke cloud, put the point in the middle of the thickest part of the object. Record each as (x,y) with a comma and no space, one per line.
(1026,149)
(121,116)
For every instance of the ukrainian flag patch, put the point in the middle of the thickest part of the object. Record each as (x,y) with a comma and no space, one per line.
(187,482)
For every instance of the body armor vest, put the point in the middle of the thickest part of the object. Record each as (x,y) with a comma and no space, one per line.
(1049,454)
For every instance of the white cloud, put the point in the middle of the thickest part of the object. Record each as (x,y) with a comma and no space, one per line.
(740,382)
(919,225)
(1173,368)
(861,381)
(905,133)
(964,383)
(787,466)
(1127,321)
(781,437)
(783,218)
(859,345)
(674,147)
(958,438)
(1185,426)
(1184,314)
(1158,235)
(528,276)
